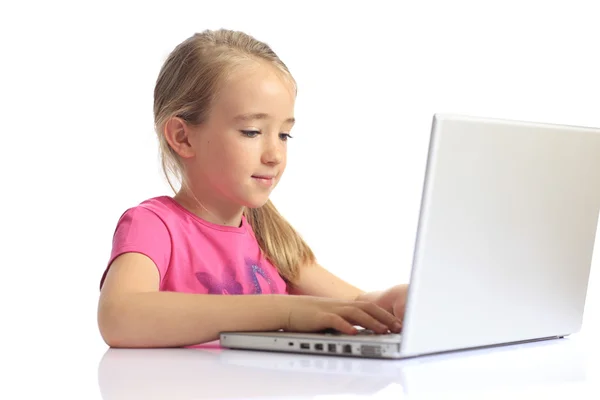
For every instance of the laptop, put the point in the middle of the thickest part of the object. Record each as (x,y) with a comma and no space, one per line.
(504,244)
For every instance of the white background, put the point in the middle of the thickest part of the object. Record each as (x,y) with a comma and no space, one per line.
(78,145)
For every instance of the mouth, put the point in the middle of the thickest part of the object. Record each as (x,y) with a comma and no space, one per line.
(266,180)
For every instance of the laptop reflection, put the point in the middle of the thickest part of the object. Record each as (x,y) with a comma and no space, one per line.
(222,374)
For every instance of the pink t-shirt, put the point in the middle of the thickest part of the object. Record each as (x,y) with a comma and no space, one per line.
(193,255)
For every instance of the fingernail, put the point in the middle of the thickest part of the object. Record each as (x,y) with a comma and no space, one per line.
(397,326)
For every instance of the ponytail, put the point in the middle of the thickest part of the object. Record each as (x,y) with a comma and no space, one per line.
(280,243)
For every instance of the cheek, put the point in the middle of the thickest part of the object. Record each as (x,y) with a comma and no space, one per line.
(212,158)
(214,151)
(284,157)
(239,155)
(233,158)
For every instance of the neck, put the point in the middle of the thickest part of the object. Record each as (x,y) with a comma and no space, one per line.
(210,209)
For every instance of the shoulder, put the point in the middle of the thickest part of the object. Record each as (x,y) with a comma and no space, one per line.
(160,210)
(161,206)
(144,229)
(152,223)
(144,223)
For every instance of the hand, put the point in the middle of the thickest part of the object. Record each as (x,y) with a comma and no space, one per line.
(313,314)
(393,300)
(399,294)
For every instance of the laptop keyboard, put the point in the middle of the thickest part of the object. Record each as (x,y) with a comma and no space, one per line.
(366,332)
(361,332)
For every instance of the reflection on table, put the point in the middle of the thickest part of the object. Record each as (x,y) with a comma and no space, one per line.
(225,374)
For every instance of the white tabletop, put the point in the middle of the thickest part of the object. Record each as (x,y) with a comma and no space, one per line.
(564,368)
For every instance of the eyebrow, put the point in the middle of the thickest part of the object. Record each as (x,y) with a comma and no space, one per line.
(255,116)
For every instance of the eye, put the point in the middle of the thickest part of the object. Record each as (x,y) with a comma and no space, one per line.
(250,134)
(285,136)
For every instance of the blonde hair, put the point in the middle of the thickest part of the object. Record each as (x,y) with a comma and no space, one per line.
(186,87)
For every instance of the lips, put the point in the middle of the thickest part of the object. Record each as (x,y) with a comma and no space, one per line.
(266,181)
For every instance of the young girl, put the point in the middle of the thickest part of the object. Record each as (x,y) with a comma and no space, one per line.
(218,256)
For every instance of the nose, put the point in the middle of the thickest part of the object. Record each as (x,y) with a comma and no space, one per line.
(273,152)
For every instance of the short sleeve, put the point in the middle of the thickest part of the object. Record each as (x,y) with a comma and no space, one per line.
(140,230)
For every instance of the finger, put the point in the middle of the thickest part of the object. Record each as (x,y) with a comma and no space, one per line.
(388,319)
(340,324)
(358,316)
(399,311)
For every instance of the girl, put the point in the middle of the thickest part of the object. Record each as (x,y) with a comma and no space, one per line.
(224,109)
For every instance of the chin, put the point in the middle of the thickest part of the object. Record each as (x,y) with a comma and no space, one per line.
(256,202)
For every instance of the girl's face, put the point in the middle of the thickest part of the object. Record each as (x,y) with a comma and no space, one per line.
(240,152)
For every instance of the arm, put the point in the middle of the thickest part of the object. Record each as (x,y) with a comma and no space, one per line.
(133,313)
(315,280)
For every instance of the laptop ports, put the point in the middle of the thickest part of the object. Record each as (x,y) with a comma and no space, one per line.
(332,348)
(370,350)
(305,346)
(319,346)
(347,349)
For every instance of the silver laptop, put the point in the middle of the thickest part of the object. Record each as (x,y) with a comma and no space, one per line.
(504,245)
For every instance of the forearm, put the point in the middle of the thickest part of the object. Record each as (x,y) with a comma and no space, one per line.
(169,319)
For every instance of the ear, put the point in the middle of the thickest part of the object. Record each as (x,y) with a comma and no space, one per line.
(177,133)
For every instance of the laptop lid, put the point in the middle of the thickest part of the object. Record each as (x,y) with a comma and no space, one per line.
(506,234)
